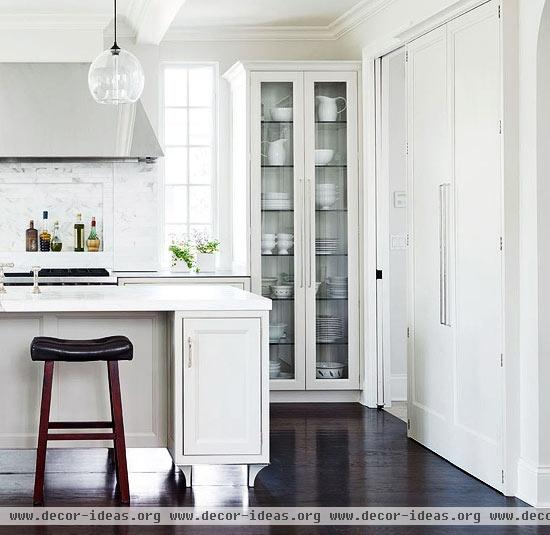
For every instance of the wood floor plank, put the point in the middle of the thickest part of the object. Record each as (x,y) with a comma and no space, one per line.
(321,454)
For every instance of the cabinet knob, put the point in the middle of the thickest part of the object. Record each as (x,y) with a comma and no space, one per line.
(190,354)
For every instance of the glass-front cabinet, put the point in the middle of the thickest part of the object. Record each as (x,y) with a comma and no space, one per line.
(304,200)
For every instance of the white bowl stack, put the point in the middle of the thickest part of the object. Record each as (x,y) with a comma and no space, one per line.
(276,200)
(326,196)
(285,242)
(329,328)
(268,243)
(337,287)
(274,368)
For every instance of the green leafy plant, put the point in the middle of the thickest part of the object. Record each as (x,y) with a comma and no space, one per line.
(205,244)
(182,251)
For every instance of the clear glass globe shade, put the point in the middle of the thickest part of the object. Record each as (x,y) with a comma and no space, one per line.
(116,77)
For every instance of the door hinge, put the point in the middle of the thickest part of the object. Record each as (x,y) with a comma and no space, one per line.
(408,332)
(407,56)
(407,240)
(501,360)
(502,476)
(407,148)
(500,127)
(378,274)
(408,424)
(499,11)
(500,243)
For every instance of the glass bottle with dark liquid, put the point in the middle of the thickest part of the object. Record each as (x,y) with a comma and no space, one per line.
(45,236)
(31,245)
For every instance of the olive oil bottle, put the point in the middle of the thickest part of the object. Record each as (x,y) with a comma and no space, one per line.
(79,234)
(56,245)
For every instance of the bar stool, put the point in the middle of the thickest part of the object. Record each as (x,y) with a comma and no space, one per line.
(110,349)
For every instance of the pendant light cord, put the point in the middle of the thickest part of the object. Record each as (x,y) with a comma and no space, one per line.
(115,48)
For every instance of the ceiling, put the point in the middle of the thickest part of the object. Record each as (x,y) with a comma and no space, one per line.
(60,7)
(153,20)
(261,12)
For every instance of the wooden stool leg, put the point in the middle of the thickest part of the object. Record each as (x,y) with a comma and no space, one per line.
(38,498)
(118,424)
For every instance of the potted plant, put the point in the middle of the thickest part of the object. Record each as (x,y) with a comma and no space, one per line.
(182,257)
(207,248)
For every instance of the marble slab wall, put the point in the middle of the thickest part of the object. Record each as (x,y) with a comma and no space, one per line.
(68,188)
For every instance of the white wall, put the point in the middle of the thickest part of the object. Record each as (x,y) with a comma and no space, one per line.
(225,54)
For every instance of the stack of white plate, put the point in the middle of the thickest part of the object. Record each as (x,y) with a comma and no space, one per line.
(337,287)
(326,245)
(276,200)
(329,328)
(267,283)
(274,368)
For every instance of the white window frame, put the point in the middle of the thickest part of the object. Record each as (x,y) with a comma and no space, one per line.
(215,146)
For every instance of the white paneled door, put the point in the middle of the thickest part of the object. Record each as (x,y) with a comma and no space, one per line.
(455,344)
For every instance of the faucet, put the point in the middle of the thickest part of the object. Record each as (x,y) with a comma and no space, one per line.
(35,287)
(2,266)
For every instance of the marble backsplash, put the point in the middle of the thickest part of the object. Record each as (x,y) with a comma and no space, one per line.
(67,188)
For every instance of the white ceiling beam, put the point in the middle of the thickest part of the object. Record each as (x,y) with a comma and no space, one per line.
(150,19)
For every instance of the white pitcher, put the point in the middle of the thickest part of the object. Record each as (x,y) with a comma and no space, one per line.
(327,108)
(276,152)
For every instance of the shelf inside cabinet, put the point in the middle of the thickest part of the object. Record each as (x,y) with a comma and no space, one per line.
(270,210)
(266,166)
(331,210)
(277,122)
(279,255)
(332,122)
(332,254)
(339,166)
(284,343)
(331,298)
(344,343)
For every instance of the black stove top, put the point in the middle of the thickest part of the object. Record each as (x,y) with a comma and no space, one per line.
(65,272)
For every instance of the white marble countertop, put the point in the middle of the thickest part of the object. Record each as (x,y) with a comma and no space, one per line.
(166,273)
(130,299)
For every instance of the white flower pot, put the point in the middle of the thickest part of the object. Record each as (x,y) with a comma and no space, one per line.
(206,262)
(179,266)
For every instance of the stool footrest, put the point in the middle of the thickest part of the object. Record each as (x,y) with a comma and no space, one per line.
(80,425)
(80,436)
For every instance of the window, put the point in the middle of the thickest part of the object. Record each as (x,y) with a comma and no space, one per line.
(190,151)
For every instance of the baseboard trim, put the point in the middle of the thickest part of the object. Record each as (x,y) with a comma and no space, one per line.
(398,387)
(315,396)
(533,484)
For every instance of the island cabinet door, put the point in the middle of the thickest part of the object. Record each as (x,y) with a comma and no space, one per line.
(222,386)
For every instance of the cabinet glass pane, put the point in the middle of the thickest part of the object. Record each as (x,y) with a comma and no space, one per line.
(331,231)
(277,233)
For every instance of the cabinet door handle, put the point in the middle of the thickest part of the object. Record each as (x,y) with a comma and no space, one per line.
(302,234)
(444,254)
(190,352)
(310,237)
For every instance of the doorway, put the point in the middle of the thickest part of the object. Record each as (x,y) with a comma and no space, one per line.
(439,239)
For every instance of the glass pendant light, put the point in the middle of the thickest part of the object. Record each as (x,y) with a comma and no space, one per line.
(116,75)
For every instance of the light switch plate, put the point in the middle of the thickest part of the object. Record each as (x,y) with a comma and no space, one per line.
(400,199)
(398,241)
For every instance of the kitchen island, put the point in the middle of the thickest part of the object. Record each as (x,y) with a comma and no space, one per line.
(198,383)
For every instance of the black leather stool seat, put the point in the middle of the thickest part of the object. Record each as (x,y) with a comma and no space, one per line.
(109,349)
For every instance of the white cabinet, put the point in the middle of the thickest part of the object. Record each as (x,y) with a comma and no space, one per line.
(296,154)
(220,391)
(221,381)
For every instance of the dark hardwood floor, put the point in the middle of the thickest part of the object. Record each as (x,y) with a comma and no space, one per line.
(321,454)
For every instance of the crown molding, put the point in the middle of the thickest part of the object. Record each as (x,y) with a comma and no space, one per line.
(331,32)
(356,15)
(248,33)
(54,21)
